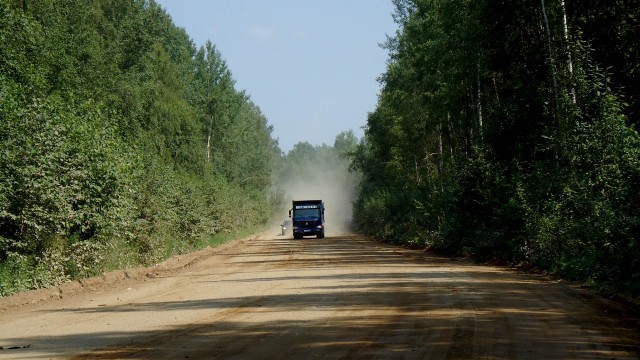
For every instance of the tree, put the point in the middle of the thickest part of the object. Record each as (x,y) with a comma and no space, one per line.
(498,134)
(123,144)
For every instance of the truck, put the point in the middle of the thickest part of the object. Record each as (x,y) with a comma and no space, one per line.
(308,218)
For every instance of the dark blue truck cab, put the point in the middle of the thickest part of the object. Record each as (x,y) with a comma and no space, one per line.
(308,218)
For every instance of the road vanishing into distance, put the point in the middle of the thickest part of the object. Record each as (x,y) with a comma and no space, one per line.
(342,297)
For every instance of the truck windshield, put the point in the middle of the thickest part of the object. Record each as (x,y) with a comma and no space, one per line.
(300,214)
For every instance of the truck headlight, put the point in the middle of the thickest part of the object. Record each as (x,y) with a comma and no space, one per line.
(319,226)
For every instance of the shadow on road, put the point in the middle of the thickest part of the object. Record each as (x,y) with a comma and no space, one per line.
(349,297)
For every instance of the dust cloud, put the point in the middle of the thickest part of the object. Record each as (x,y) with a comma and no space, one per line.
(329,181)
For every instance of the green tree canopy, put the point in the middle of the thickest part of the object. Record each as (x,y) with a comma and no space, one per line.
(122,142)
(499,133)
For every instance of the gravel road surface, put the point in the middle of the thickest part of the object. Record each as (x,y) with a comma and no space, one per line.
(342,297)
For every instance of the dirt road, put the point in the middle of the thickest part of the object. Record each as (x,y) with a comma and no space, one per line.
(338,298)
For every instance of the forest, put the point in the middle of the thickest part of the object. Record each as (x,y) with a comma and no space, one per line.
(506,131)
(122,142)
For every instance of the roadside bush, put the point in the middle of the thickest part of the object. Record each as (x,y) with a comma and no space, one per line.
(65,188)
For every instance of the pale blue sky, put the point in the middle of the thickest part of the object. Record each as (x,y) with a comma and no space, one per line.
(310,65)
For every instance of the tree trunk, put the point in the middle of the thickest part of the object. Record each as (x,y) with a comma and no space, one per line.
(415,161)
(439,154)
(479,106)
(550,49)
(451,135)
(565,34)
(209,146)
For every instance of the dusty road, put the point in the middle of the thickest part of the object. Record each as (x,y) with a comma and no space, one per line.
(337,298)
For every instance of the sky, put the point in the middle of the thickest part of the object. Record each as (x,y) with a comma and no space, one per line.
(311,66)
